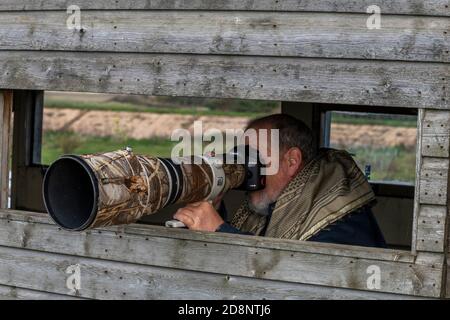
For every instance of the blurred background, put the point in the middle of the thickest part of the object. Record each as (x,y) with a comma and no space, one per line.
(383,145)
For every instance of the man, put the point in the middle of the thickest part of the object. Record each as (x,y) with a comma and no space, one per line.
(315,195)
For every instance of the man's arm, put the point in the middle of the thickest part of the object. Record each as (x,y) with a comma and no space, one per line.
(228,228)
(358,229)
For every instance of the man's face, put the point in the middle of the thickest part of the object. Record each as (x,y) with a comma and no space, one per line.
(275,183)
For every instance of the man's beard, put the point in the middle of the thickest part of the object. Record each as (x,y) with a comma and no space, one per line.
(262,205)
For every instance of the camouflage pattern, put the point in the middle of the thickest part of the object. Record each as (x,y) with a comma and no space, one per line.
(132,186)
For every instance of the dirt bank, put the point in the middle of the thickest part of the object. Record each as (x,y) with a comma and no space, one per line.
(148,125)
(132,124)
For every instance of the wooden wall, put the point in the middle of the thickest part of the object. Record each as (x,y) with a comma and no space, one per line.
(151,262)
(412,7)
(5,145)
(309,51)
(432,181)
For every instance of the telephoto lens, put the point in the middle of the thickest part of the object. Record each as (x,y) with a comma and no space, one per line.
(89,191)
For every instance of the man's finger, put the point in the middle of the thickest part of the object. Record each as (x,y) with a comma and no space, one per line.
(185,211)
(185,218)
(202,203)
(195,204)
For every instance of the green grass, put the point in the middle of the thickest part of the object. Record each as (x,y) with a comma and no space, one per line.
(387,164)
(119,106)
(365,119)
(55,144)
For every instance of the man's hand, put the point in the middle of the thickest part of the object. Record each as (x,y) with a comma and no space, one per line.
(199,216)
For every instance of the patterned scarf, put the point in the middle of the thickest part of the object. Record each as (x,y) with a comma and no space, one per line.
(329,187)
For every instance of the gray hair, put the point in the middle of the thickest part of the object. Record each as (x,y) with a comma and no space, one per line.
(293,133)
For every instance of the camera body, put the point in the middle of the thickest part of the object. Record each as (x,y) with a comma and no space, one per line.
(250,158)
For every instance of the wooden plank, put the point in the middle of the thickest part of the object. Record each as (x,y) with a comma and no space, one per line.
(434,181)
(420,117)
(224,238)
(419,7)
(447,294)
(423,277)
(403,84)
(320,35)
(431,228)
(5,137)
(447,278)
(436,134)
(15,293)
(101,279)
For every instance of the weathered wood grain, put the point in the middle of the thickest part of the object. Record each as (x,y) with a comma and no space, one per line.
(102,279)
(5,137)
(15,293)
(318,35)
(418,7)
(432,184)
(224,238)
(447,294)
(436,134)
(418,166)
(434,181)
(431,231)
(423,277)
(360,82)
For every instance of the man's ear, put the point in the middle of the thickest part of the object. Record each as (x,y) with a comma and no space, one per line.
(294,160)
